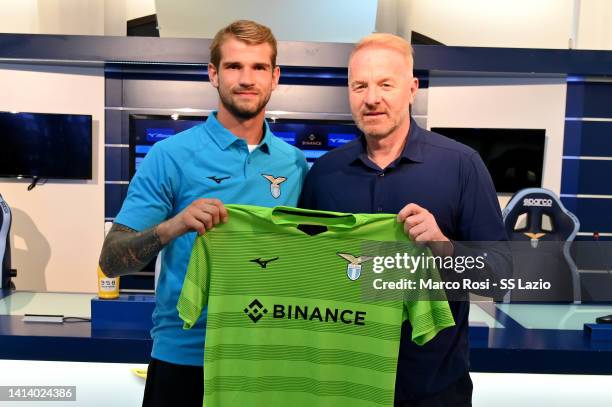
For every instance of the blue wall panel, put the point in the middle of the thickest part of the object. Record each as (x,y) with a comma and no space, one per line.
(114,194)
(572,138)
(112,91)
(590,177)
(589,99)
(588,139)
(569,176)
(112,129)
(594,214)
(116,162)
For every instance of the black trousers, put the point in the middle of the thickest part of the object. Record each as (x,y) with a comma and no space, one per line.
(458,394)
(170,385)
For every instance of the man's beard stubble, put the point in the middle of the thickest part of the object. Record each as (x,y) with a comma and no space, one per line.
(242,113)
(377,134)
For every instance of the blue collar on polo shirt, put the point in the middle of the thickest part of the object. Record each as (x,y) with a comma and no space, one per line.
(412,152)
(225,138)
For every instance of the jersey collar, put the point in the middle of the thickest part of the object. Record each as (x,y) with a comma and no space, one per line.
(225,138)
(412,151)
(285,215)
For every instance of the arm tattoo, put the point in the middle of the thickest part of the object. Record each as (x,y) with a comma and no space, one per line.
(128,251)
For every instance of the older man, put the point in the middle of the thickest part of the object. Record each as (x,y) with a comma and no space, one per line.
(439,188)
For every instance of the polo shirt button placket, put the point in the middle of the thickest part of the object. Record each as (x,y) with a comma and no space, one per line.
(247,163)
(380,175)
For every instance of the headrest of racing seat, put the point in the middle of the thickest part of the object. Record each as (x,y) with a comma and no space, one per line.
(537,215)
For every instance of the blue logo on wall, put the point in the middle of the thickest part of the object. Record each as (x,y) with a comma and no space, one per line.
(286,136)
(338,139)
(154,135)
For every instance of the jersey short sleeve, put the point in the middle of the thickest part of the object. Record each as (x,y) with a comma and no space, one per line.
(428,318)
(194,295)
(427,308)
(149,198)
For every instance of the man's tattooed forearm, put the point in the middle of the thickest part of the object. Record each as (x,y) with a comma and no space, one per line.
(128,251)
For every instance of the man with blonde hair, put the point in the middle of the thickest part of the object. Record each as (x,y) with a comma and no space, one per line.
(440,189)
(389,41)
(178,191)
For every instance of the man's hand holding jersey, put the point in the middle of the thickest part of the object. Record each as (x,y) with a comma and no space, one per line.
(200,216)
(421,226)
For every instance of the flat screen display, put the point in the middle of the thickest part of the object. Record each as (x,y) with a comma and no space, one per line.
(46,146)
(146,130)
(313,137)
(514,157)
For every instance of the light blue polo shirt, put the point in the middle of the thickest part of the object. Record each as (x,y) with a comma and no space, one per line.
(206,161)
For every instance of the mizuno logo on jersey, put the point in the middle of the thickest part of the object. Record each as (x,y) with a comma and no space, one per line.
(275,184)
(218,180)
(353,269)
(263,263)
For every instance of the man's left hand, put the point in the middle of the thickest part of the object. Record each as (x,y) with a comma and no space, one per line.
(421,226)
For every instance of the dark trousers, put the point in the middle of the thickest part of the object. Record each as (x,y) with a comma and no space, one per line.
(458,394)
(170,385)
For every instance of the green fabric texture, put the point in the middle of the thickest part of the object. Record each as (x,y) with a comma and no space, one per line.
(291,320)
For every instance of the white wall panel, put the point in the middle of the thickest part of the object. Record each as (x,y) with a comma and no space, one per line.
(58,227)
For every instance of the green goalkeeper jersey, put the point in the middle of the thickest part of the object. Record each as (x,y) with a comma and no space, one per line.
(290,321)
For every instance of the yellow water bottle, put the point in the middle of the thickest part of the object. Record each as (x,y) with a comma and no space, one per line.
(108,287)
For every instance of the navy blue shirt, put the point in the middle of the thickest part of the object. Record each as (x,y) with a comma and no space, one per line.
(448,179)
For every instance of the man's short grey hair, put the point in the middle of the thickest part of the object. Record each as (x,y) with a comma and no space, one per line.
(389,41)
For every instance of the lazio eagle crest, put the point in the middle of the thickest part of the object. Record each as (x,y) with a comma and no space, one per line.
(274,184)
(353,269)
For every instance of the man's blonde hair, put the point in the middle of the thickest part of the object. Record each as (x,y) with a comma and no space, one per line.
(385,40)
(246,31)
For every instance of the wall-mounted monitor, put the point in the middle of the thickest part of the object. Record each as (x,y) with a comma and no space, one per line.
(148,129)
(514,157)
(45,146)
(313,136)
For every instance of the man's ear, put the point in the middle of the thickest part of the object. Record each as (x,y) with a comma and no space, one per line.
(213,75)
(414,86)
(275,76)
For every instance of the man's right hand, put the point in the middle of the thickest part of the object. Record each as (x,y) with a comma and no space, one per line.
(201,215)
